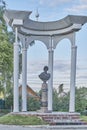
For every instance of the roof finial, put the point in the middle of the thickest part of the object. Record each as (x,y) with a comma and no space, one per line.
(37,15)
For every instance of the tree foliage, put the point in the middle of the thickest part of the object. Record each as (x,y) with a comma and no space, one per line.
(81,99)
(33,104)
(6,55)
(61,103)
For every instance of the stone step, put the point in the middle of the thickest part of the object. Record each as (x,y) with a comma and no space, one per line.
(60,118)
(63,119)
(57,118)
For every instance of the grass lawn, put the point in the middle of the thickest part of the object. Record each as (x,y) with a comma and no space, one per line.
(84,118)
(21,120)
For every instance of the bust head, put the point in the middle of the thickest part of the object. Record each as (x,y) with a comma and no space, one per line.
(45,68)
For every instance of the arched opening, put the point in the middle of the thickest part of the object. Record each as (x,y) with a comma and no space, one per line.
(37,58)
(62,65)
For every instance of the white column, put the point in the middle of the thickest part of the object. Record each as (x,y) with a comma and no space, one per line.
(50,82)
(73,79)
(16,74)
(24,79)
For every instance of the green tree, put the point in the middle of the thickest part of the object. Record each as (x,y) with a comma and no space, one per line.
(60,103)
(55,100)
(9,100)
(33,104)
(81,99)
(6,55)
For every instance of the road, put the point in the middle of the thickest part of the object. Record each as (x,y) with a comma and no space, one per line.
(62,127)
(14,127)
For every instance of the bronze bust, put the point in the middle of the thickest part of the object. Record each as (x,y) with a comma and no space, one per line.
(44,76)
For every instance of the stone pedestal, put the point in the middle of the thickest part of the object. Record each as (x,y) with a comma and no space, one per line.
(44,98)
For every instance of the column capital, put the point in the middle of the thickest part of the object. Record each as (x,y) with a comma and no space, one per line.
(50,49)
(24,43)
(51,45)
(24,48)
(16,43)
(73,46)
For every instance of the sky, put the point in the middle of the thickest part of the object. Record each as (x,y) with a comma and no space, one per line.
(52,10)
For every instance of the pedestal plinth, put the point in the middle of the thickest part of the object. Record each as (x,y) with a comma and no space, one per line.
(44,98)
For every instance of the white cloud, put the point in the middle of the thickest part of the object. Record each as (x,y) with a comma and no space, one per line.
(57,2)
(53,3)
(65,6)
(62,66)
(83,1)
(78,8)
